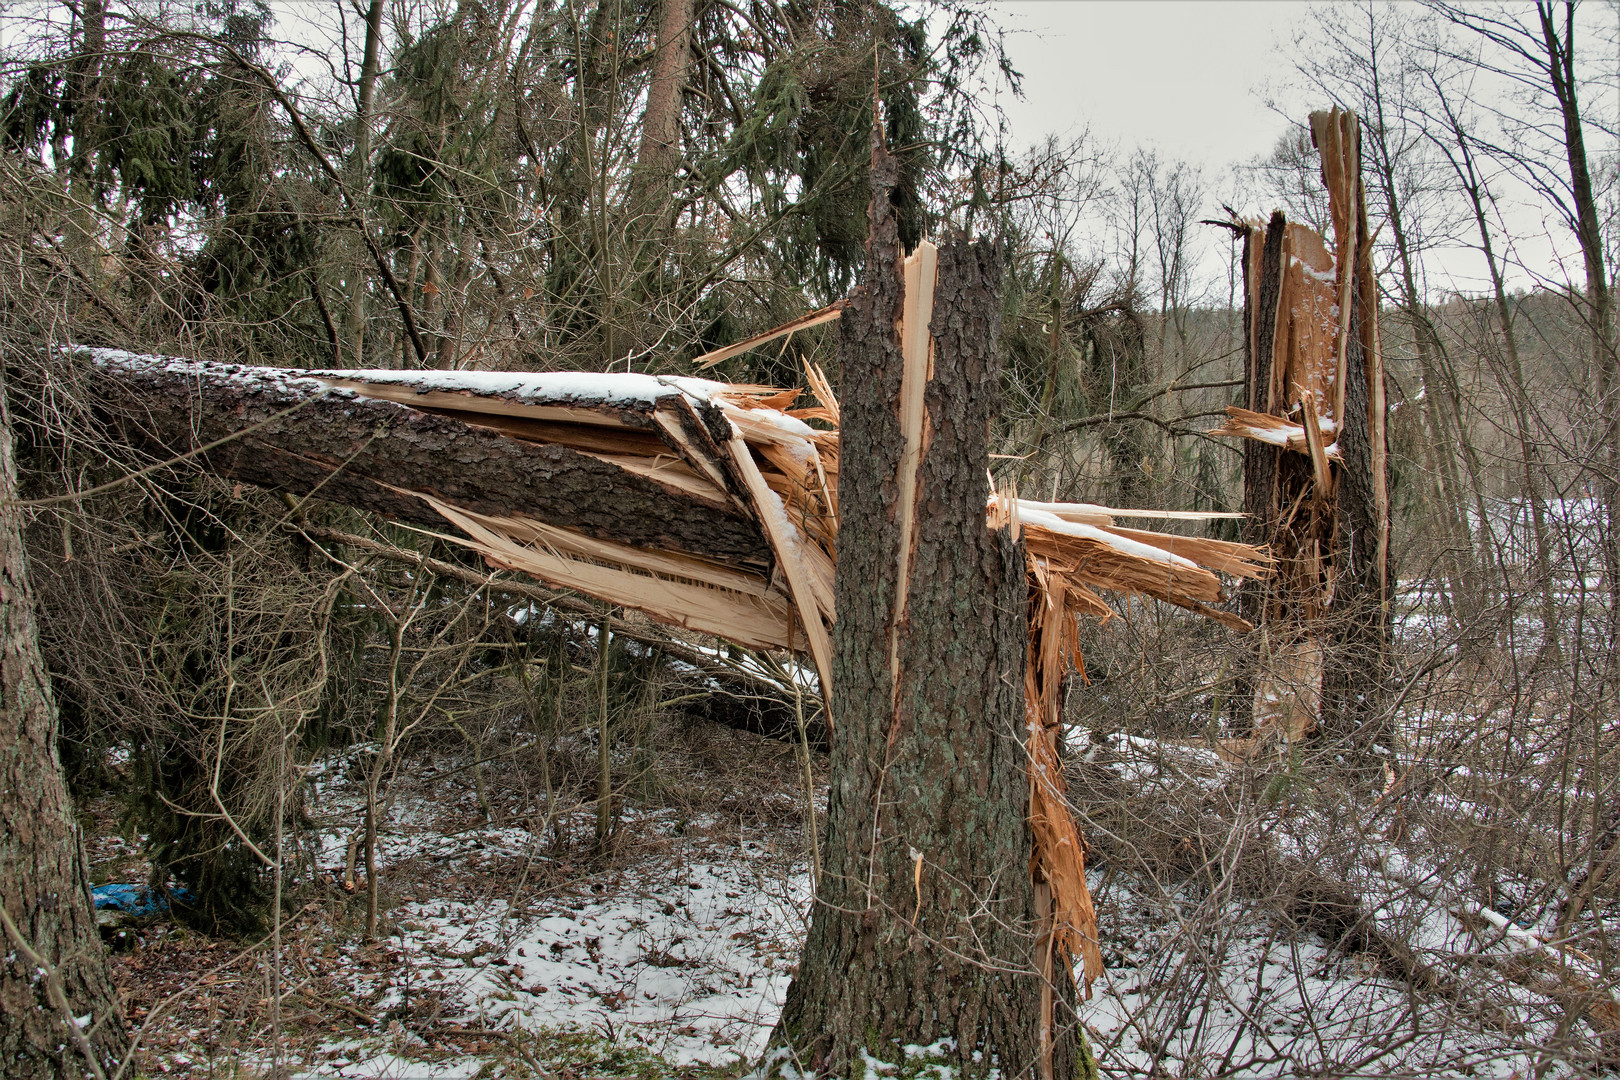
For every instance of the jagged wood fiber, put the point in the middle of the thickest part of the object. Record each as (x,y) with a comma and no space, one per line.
(1316,466)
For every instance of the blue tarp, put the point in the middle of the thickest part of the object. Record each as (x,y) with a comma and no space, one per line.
(134,899)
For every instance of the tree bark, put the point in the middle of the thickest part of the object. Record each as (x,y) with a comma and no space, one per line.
(1353,690)
(44,879)
(354,317)
(1324,617)
(1260,460)
(926,918)
(659,153)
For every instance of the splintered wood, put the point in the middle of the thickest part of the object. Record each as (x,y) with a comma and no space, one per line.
(1308,306)
(750,447)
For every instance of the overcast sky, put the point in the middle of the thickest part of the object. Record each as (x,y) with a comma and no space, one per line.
(1189,78)
(1169,73)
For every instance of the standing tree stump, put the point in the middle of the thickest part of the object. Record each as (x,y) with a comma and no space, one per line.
(1316,471)
(927,924)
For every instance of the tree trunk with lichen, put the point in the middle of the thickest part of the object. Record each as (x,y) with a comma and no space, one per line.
(926,922)
(44,881)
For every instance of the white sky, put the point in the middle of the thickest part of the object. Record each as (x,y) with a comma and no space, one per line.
(1180,76)
(1190,79)
(1186,78)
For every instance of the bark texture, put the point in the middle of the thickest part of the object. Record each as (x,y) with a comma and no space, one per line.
(1260,460)
(1322,653)
(659,153)
(925,922)
(44,883)
(1353,690)
(358,451)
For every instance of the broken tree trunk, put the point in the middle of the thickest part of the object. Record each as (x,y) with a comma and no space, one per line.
(1316,468)
(704,505)
(1355,681)
(927,924)
(311,435)
(710,506)
(616,486)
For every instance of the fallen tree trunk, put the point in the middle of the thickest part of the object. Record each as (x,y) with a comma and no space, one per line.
(704,505)
(309,435)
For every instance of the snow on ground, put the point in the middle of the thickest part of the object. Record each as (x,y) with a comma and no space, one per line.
(506,938)
(1231,997)
(690,960)
(679,949)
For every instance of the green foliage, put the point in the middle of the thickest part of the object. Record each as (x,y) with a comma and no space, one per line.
(805,142)
(35,105)
(144,136)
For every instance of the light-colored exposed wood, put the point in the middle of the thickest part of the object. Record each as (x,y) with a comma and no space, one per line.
(1322,491)
(790,559)
(1058,851)
(754,621)
(804,322)
(1316,327)
(816,379)
(1288,691)
(672,472)
(1094,514)
(533,533)
(1276,430)
(1222,556)
(920,274)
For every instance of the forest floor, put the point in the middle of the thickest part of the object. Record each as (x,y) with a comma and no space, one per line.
(511,948)
(507,948)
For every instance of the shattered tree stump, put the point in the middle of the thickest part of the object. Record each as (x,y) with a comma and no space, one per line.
(1316,468)
(928,925)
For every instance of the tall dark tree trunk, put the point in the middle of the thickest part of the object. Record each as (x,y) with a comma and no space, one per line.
(1600,314)
(1322,654)
(44,880)
(1356,671)
(1353,690)
(359,180)
(926,924)
(1262,278)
